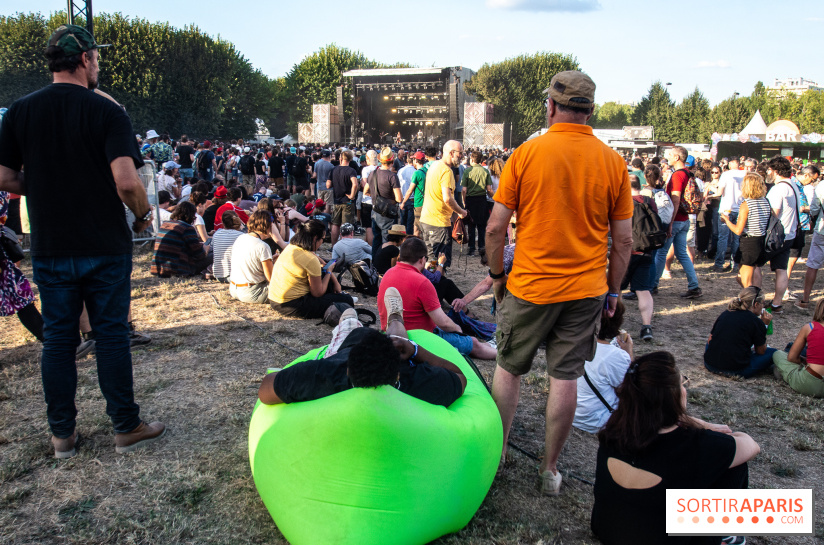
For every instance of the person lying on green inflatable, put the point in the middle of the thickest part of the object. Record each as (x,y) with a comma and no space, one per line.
(360,357)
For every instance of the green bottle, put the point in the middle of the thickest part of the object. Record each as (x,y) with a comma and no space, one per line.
(769,327)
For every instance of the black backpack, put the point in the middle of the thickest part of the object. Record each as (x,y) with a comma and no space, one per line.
(203,161)
(247,165)
(774,239)
(365,277)
(647,230)
(335,311)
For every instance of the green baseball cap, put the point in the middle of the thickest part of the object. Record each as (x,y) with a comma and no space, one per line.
(73,39)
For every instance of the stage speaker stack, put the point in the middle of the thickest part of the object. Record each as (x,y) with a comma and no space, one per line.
(479,130)
(324,128)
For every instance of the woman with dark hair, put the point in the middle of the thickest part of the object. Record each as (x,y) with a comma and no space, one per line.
(261,180)
(178,250)
(201,202)
(803,367)
(389,252)
(650,444)
(739,328)
(300,285)
(222,243)
(252,261)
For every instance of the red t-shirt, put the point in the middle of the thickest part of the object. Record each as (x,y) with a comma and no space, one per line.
(241,213)
(419,296)
(678,182)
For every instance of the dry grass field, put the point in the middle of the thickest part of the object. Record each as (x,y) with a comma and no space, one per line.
(200,376)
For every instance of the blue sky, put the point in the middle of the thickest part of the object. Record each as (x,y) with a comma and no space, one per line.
(722,46)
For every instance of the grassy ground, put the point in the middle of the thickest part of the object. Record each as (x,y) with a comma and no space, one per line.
(200,376)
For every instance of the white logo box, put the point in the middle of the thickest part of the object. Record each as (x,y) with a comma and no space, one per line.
(751,512)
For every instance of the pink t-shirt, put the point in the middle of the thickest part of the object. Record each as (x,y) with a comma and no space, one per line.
(419,296)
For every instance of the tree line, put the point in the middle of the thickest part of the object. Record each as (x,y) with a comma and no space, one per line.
(184,81)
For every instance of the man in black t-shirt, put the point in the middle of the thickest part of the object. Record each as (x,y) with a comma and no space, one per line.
(276,169)
(344,184)
(359,357)
(186,157)
(300,171)
(90,263)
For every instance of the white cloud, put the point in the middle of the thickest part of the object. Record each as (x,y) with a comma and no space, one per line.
(815,19)
(546,5)
(713,64)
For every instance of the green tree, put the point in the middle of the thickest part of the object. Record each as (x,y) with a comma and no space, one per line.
(656,109)
(689,118)
(612,115)
(22,68)
(730,115)
(516,88)
(811,116)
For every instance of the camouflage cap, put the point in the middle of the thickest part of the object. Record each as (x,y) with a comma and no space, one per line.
(73,39)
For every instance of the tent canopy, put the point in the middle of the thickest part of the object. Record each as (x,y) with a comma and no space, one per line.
(756,125)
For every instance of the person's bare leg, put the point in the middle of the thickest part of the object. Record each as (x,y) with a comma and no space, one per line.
(483,351)
(745,273)
(560,412)
(757,277)
(86,326)
(506,389)
(809,281)
(369,235)
(781,282)
(645,306)
(790,264)
(670,258)
(335,233)
(691,253)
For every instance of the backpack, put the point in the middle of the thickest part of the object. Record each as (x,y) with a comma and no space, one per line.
(203,161)
(647,230)
(691,198)
(247,165)
(296,171)
(366,277)
(664,205)
(774,235)
(335,311)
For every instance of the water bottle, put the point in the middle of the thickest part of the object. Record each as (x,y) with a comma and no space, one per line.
(769,327)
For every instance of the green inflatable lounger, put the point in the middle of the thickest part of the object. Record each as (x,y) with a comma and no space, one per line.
(375,465)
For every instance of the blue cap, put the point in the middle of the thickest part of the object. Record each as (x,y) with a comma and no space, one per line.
(690,162)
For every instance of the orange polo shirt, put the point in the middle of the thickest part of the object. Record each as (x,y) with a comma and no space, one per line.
(565,186)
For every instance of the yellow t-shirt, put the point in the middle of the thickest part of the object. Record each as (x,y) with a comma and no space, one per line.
(290,276)
(565,186)
(435,211)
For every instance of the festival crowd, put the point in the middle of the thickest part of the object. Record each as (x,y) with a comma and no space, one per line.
(254,217)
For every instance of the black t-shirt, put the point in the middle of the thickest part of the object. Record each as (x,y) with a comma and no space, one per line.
(383,261)
(734,334)
(315,379)
(355,165)
(342,183)
(209,217)
(683,458)
(386,182)
(74,208)
(324,218)
(260,167)
(276,167)
(300,170)
(185,153)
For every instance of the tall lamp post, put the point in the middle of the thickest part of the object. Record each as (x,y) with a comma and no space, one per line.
(81,8)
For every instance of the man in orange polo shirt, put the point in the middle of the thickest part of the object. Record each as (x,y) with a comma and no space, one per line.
(569,190)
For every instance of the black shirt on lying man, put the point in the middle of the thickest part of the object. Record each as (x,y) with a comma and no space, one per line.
(367,358)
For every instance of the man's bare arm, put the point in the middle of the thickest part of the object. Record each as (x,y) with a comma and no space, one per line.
(450,201)
(619,256)
(130,190)
(11,181)
(495,238)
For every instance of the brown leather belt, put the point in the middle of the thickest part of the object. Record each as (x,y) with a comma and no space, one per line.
(813,373)
(240,285)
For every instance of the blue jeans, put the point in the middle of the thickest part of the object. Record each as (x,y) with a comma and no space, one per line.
(408,217)
(679,239)
(724,235)
(759,363)
(104,284)
(187,173)
(380,225)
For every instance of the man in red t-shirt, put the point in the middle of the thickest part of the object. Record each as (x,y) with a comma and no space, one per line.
(232,206)
(680,225)
(421,306)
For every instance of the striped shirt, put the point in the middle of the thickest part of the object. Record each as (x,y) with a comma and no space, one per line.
(758,216)
(177,249)
(222,242)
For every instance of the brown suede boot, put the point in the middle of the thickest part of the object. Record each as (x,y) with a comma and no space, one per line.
(140,436)
(65,448)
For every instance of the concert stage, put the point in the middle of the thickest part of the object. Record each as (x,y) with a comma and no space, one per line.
(414,106)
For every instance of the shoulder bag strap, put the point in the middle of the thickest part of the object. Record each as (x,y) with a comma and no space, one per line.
(597,393)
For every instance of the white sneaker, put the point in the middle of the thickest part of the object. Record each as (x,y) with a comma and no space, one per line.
(393,302)
(790,296)
(550,483)
(666,275)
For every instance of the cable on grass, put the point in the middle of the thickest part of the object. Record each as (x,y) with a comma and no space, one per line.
(525,452)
